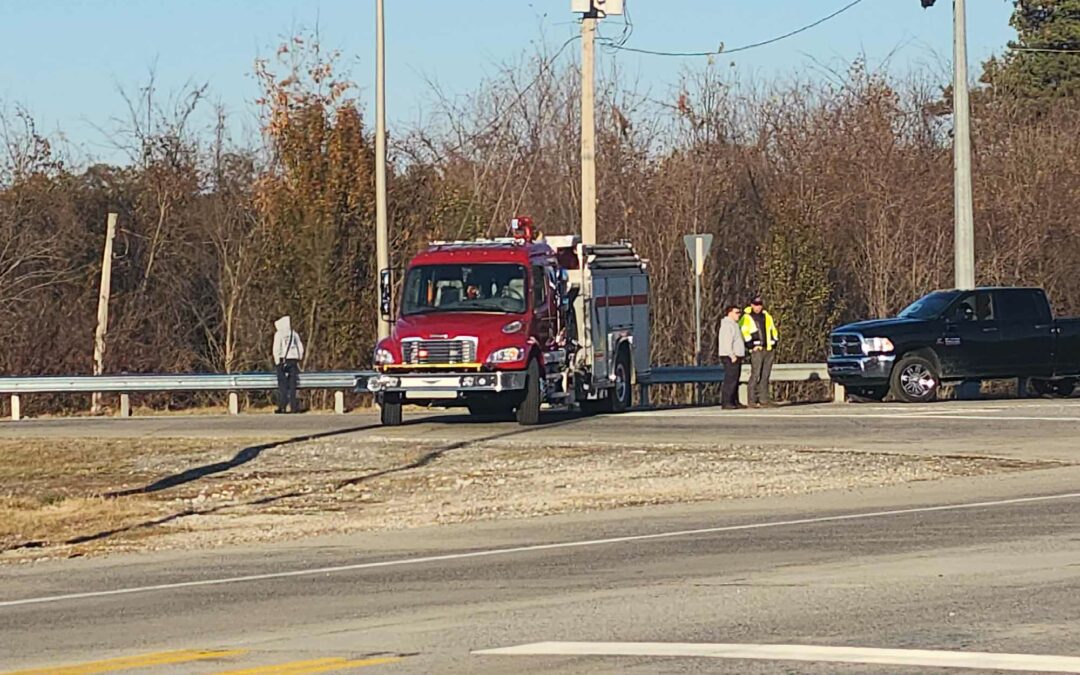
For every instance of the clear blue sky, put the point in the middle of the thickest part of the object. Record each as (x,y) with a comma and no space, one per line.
(64,59)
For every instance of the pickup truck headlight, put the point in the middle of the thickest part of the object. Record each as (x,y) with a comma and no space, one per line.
(877,345)
(383,357)
(507,355)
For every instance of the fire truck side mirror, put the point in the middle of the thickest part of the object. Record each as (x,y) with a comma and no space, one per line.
(384,294)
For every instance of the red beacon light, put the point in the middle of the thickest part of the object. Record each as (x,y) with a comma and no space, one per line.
(521,228)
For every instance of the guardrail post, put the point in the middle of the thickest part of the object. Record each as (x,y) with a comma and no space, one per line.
(125,405)
(839,393)
(339,402)
(16,408)
(643,395)
(234,403)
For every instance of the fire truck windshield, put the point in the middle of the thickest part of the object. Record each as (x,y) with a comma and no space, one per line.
(492,287)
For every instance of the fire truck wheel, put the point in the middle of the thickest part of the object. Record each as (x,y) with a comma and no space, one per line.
(390,413)
(528,411)
(622,393)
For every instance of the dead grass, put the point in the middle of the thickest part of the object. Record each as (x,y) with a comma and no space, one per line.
(32,523)
(66,497)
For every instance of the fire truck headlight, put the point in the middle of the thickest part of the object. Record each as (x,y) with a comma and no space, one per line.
(507,355)
(383,357)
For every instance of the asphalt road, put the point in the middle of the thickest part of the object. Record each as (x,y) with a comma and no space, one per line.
(984,564)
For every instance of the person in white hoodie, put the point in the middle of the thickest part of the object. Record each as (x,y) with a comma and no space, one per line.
(288,352)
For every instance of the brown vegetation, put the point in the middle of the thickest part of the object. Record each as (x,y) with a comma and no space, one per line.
(834,198)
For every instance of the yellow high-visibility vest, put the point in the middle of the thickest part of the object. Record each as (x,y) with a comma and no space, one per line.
(749,327)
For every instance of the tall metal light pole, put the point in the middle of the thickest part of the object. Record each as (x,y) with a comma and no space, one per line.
(963,208)
(588,128)
(382,238)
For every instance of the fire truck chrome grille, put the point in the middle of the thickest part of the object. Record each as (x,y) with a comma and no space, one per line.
(438,352)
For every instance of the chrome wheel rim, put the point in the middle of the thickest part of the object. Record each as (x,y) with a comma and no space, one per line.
(917,380)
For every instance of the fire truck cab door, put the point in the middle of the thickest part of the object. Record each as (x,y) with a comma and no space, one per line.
(545,308)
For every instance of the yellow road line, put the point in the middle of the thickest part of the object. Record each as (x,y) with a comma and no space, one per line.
(128,662)
(313,666)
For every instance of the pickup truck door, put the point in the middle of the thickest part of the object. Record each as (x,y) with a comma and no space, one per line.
(1027,333)
(970,343)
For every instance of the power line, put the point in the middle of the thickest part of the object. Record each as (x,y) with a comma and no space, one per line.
(722,51)
(1044,50)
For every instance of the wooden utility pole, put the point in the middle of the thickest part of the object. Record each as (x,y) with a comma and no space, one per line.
(103,309)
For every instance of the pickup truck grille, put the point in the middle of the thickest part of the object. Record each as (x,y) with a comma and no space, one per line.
(438,352)
(845,345)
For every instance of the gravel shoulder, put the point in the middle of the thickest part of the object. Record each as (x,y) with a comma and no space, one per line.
(79,497)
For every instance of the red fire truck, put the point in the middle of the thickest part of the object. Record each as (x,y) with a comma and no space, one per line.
(506,326)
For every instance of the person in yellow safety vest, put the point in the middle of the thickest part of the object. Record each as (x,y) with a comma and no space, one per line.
(759,332)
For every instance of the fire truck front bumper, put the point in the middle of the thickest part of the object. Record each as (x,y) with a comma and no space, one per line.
(445,385)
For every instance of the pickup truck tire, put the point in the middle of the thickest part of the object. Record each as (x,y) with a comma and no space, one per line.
(528,411)
(390,413)
(915,380)
(1062,388)
(876,394)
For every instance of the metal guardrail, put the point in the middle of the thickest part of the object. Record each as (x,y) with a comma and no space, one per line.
(138,382)
(57,384)
(340,381)
(781,372)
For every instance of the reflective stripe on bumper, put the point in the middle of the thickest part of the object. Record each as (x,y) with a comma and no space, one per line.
(442,383)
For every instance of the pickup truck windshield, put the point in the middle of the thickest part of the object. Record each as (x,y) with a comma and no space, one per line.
(929,306)
(490,287)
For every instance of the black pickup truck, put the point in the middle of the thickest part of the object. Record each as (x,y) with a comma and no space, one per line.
(987,333)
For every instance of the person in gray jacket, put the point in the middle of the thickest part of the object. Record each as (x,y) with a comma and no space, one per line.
(288,352)
(732,350)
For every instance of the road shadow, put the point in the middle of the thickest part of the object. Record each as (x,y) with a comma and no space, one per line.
(422,461)
(242,457)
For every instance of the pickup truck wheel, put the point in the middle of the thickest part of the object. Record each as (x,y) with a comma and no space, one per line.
(914,380)
(390,413)
(1065,388)
(1039,387)
(528,412)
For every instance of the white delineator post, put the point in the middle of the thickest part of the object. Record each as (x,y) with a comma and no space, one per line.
(103,309)
(963,208)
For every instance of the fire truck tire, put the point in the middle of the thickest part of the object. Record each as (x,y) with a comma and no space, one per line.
(621,395)
(528,411)
(390,413)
